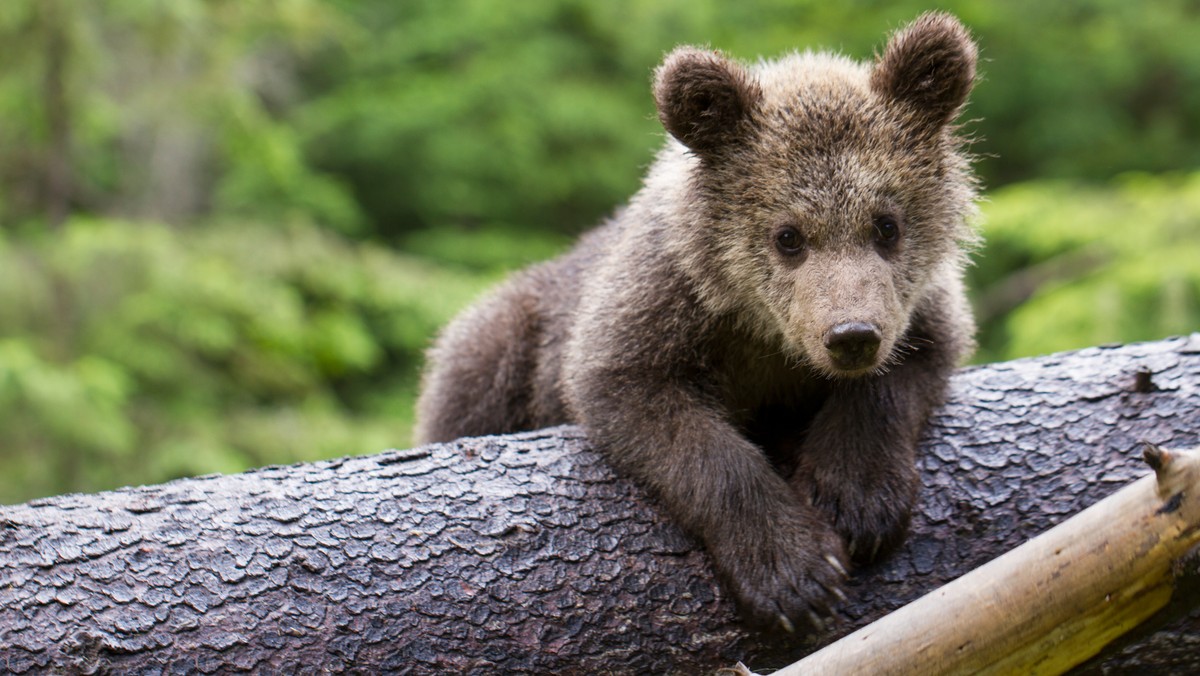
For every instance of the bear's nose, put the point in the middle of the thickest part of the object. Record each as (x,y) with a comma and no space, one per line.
(853,344)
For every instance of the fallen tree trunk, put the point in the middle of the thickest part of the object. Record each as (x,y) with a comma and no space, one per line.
(526,553)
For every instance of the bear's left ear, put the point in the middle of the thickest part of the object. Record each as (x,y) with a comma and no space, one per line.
(704,98)
(929,66)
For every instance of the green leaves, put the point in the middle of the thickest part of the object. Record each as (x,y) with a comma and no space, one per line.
(1067,265)
(58,419)
(235,304)
(134,352)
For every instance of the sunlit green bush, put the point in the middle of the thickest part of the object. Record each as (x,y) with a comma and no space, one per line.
(464,132)
(1067,266)
(133,353)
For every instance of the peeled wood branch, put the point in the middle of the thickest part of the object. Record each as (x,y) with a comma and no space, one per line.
(527,553)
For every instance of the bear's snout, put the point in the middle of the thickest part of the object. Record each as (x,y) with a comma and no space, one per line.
(853,345)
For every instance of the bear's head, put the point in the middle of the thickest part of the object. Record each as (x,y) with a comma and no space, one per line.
(823,200)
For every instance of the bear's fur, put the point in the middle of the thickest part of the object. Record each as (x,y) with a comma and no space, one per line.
(759,337)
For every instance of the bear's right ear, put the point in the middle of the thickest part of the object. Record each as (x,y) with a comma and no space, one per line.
(703,98)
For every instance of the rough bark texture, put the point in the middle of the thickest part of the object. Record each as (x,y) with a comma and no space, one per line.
(526,553)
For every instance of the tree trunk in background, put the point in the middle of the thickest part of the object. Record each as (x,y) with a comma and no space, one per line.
(526,552)
(56,188)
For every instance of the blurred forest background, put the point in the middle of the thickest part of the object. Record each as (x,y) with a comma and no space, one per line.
(228,228)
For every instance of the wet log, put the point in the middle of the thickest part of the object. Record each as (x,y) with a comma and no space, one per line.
(527,553)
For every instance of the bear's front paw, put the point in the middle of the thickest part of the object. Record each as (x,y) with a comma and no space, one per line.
(870,512)
(785,575)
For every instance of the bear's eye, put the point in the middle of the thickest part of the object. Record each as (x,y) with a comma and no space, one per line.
(887,230)
(789,241)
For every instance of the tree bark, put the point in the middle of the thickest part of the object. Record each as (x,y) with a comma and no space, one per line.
(527,553)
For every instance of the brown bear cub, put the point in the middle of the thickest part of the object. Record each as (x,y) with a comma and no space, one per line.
(759,337)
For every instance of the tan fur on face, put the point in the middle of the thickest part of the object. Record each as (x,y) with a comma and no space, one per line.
(871,154)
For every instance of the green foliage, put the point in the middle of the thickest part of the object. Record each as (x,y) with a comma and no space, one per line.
(469,113)
(538,115)
(161,110)
(1069,265)
(133,353)
(260,212)
(493,250)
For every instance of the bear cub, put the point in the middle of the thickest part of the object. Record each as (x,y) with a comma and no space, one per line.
(760,335)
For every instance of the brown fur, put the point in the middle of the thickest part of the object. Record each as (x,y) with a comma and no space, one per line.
(759,337)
